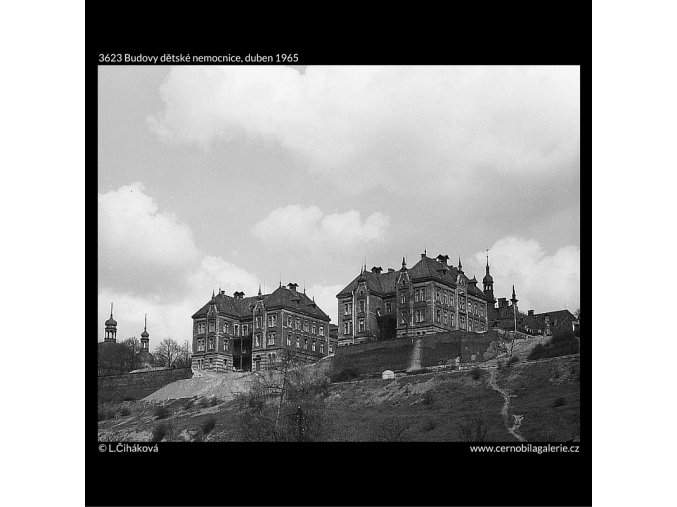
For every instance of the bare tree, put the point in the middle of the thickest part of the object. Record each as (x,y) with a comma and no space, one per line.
(167,352)
(285,403)
(130,348)
(183,358)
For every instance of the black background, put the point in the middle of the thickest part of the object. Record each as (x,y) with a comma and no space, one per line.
(341,473)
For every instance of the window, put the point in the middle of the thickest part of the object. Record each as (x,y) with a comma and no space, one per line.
(445,317)
(403,318)
(258,322)
(290,321)
(272,320)
(451,319)
(361,324)
(451,299)
(313,345)
(321,347)
(298,342)
(402,299)
(288,340)
(211,343)
(331,348)
(389,308)
(245,329)
(236,330)
(305,343)
(212,326)
(347,308)
(200,327)
(416,296)
(257,340)
(437,295)
(345,327)
(226,327)
(419,316)
(298,323)
(313,328)
(201,345)
(305,326)
(321,330)
(362,305)
(444,298)
(271,339)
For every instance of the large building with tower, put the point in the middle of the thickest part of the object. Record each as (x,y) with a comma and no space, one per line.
(430,297)
(256,333)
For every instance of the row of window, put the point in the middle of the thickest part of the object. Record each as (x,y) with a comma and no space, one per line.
(201,326)
(309,327)
(348,326)
(297,341)
(290,322)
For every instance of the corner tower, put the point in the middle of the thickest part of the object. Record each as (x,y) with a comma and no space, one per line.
(488,283)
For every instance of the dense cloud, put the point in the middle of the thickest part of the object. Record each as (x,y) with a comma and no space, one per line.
(309,228)
(542,282)
(390,126)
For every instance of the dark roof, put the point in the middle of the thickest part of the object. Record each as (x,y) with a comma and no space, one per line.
(111,322)
(144,356)
(425,268)
(559,315)
(282,297)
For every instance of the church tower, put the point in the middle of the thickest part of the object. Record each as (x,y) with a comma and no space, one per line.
(144,335)
(488,283)
(111,327)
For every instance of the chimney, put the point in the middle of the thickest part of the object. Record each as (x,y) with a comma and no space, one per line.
(531,313)
(222,292)
(377,270)
(502,303)
(423,255)
(391,270)
(443,259)
(238,295)
(292,286)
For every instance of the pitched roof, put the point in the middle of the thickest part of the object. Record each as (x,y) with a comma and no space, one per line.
(281,297)
(425,268)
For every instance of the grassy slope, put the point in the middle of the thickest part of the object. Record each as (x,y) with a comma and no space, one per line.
(354,410)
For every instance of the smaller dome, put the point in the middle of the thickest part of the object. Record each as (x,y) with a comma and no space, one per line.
(488,279)
(111,322)
(144,334)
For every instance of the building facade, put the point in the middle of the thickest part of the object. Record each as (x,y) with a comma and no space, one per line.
(430,297)
(256,333)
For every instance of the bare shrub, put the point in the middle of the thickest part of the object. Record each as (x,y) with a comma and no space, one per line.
(162,430)
(476,373)
(513,360)
(208,425)
(428,398)
(390,429)
(559,401)
(474,430)
(429,425)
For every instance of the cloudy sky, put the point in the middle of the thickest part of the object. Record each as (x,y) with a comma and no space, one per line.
(237,176)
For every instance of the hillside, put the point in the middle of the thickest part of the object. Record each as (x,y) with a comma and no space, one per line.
(544,395)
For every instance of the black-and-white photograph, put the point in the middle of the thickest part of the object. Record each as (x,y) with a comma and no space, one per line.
(310,253)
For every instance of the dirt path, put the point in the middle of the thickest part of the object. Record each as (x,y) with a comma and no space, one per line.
(517,419)
(416,356)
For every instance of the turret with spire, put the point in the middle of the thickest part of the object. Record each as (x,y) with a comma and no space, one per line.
(460,266)
(144,335)
(488,283)
(111,327)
